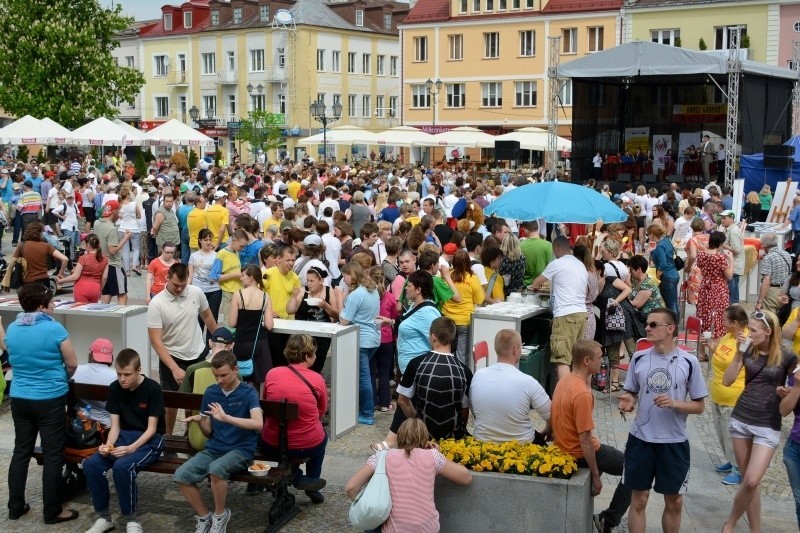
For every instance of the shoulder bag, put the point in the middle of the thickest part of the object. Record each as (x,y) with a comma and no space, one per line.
(18,270)
(373,504)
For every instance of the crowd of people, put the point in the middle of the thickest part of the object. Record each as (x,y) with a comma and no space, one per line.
(406,255)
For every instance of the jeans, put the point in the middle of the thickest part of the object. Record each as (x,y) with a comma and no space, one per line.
(381,371)
(74,239)
(17,222)
(45,418)
(124,469)
(131,250)
(315,456)
(791,459)
(214,300)
(610,461)
(366,399)
(461,344)
(669,292)
(733,289)
(185,251)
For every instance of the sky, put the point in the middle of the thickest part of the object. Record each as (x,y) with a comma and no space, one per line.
(141,9)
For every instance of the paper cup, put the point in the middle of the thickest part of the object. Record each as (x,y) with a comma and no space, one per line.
(707,335)
(745,344)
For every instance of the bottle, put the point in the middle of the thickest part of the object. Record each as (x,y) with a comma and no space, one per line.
(602,377)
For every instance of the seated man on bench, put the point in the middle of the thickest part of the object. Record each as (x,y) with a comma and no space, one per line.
(136,405)
(231,418)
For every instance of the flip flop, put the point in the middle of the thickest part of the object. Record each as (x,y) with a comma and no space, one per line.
(614,387)
(380,446)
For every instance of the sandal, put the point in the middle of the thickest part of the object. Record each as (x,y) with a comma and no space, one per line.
(614,386)
(379,446)
(385,409)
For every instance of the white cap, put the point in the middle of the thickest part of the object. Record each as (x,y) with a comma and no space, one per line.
(220,194)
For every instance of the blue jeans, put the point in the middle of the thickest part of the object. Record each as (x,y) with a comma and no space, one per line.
(366,398)
(17,223)
(185,251)
(669,292)
(733,289)
(796,244)
(791,459)
(125,469)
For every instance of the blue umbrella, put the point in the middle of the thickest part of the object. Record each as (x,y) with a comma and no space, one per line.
(556,201)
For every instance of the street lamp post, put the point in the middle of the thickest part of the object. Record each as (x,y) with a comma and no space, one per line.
(256,107)
(430,85)
(194,113)
(318,112)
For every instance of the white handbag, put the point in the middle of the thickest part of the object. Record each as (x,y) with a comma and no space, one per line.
(373,504)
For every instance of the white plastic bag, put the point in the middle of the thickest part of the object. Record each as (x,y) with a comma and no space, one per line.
(373,504)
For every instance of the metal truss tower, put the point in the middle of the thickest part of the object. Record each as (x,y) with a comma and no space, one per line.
(554,44)
(796,92)
(732,129)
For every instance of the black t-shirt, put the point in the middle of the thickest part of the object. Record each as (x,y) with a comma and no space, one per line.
(444,232)
(134,407)
(759,402)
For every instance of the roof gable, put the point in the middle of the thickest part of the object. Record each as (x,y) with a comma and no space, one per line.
(429,11)
(581,6)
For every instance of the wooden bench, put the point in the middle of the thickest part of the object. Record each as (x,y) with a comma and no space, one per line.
(278,479)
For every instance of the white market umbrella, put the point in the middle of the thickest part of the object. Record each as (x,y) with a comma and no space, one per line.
(463,136)
(102,132)
(62,135)
(343,135)
(534,138)
(177,133)
(405,136)
(133,133)
(27,130)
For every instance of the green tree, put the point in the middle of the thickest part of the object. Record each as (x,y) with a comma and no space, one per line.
(192,158)
(140,166)
(263,130)
(22,153)
(62,63)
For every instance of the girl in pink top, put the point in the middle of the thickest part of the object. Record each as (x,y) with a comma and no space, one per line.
(411,468)
(382,363)
(89,273)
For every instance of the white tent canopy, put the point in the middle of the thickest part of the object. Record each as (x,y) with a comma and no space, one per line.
(342,135)
(405,136)
(641,58)
(102,132)
(132,132)
(534,138)
(463,136)
(62,135)
(29,130)
(177,133)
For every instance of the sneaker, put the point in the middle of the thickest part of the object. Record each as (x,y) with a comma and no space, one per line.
(600,525)
(203,524)
(315,496)
(723,468)
(308,483)
(101,525)
(134,527)
(220,524)
(734,478)
(366,421)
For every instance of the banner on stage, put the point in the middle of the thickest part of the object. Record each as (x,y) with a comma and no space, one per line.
(661,145)
(685,140)
(637,139)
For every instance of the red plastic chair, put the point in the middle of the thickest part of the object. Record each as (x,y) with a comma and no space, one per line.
(480,352)
(691,333)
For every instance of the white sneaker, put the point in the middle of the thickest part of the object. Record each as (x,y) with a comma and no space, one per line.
(101,525)
(134,527)
(219,525)
(203,524)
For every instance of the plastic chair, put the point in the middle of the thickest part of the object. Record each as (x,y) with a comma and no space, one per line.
(691,333)
(480,353)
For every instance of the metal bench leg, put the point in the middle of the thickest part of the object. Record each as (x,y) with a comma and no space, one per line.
(283,509)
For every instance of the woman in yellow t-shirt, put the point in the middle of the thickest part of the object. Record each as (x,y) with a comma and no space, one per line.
(469,287)
(491,257)
(790,330)
(723,399)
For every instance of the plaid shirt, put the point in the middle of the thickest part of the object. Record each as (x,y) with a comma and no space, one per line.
(777,265)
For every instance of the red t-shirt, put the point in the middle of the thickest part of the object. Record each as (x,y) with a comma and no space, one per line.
(159,271)
(283,384)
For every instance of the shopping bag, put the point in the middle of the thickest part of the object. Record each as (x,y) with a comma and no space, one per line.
(373,504)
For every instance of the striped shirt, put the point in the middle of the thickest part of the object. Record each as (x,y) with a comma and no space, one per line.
(30,203)
(777,265)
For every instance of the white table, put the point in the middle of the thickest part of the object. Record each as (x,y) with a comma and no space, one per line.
(771,228)
(344,368)
(487,321)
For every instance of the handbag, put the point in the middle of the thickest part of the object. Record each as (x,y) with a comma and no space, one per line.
(615,318)
(84,435)
(679,262)
(18,270)
(373,504)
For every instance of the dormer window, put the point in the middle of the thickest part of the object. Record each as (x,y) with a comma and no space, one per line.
(237,15)
(359,17)
(187,19)
(263,13)
(387,21)
(215,17)
(167,21)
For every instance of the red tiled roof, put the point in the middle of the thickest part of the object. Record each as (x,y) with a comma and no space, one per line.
(429,11)
(579,6)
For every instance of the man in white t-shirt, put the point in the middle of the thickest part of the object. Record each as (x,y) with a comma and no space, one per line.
(501,396)
(683,227)
(97,371)
(569,281)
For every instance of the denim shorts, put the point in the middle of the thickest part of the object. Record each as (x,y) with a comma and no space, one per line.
(758,434)
(203,463)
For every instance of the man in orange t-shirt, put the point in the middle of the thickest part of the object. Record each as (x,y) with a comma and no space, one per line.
(572,423)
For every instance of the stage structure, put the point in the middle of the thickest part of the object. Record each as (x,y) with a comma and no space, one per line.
(648,93)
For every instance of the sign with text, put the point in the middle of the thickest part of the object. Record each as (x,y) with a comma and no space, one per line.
(699,114)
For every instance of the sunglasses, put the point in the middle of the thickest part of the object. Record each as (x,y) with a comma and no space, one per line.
(654,325)
(758,315)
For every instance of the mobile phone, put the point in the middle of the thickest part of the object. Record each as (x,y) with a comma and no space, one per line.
(204,415)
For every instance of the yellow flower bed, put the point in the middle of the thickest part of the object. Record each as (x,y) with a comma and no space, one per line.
(510,457)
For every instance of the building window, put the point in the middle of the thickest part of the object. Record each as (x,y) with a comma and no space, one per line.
(351,105)
(392,106)
(337,98)
(525,93)
(464,6)
(491,45)
(420,48)
(502,5)
(182,106)
(209,61)
(320,60)
(596,39)
(231,60)
(209,106)
(282,104)
(456,94)
(489,5)
(387,21)
(529,3)
(724,35)
(365,106)
(492,94)
(187,19)
(160,66)
(257,102)
(232,107)
(569,36)
(321,97)
(792,65)
(379,106)
(420,97)
(257,60)
(565,94)
(167,21)
(669,37)
(359,17)
(514,4)
(336,64)
(215,17)
(237,15)
(130,61)
(476,6)
(393,66)
(351,62)
(527,43)
(281,58)
(380,66)
(263,13)
(456,43)
(366,63)
(162,106)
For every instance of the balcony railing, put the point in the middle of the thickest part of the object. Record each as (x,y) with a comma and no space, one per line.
(274,74)
(177,77)
(227,77)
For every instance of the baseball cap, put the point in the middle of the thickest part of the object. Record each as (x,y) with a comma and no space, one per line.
(286,224)
(272,198)
(110,207)
(313,240)
(728,213)
(152,190)
(184,188)
(450,248)
(29,183)
(102,350)
(222,335)
(16,186)
(220,194)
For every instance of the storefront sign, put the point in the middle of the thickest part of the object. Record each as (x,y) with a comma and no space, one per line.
(214,132)
(147,125)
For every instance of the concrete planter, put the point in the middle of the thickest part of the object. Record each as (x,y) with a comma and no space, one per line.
(511,503)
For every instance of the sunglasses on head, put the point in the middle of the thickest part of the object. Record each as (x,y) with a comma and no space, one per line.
(758,315)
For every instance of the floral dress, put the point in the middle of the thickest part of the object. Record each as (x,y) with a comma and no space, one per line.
(649,284)
(695,277)
(591,295)
(516,272)
(714,296)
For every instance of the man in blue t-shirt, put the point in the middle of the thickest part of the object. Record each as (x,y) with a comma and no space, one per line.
(230,416)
